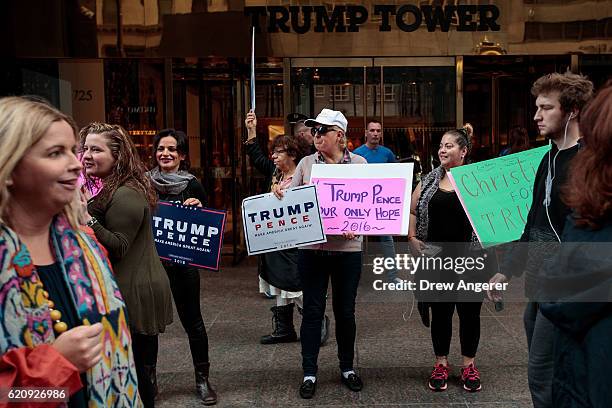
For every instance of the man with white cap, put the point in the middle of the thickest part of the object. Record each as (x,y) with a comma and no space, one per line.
(339,259)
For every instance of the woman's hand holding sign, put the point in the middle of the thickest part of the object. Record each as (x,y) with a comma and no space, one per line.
(278,192)
(193,201)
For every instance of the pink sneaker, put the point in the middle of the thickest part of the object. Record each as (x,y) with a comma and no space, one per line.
(470,376)
(439,378)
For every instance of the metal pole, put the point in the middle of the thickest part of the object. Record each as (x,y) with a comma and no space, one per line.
(120,51)
(382,105)
(365,98)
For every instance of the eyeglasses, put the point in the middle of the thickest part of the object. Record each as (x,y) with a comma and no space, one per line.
(279,151)
(321,130)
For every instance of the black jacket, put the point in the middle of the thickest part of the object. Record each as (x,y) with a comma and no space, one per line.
(261,162)
(278,268)
(521,257)
(581,276)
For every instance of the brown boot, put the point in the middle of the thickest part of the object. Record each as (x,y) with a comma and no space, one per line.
(205,391)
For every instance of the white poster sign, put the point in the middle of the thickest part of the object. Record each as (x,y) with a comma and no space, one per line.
(271,224)
(367,199)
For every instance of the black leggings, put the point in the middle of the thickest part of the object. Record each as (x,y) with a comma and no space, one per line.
(442,326)
(316,268)
(185,285)
(145,356)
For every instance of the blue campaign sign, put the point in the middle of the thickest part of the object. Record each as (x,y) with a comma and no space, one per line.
(189,235)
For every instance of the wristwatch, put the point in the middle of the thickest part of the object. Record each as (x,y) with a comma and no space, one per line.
(92,222)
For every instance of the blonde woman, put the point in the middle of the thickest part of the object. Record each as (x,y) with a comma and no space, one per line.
(339,259)
(61,310)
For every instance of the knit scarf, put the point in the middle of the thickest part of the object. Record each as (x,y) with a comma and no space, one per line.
(429,185)
(25,320)
(169,183)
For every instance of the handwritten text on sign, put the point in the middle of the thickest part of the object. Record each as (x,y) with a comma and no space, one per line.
(362,206)
(496,194)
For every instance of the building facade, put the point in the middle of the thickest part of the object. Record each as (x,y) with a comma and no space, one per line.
(420,67)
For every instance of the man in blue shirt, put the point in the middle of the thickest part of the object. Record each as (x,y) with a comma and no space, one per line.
(374,152)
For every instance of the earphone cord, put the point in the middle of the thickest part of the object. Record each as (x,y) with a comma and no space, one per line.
(551,177)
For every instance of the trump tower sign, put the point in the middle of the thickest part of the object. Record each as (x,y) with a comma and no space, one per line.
(271,224)
(341,19)
(189,235)
(367,199)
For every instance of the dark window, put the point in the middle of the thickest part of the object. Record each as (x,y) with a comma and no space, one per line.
(109,12)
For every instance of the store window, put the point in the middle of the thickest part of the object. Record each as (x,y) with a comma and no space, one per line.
(135,99)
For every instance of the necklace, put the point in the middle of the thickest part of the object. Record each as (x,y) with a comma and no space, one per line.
(56,315)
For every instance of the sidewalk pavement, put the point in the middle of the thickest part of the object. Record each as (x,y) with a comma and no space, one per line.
(394,355)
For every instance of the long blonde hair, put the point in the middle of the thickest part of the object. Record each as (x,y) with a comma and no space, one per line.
(23,122)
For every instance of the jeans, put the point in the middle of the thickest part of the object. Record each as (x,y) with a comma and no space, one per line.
(442,326)
(185,286)
(388,251)
(539,332)
(316,268)
(145,348)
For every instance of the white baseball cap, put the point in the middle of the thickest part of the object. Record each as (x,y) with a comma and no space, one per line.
(328,117)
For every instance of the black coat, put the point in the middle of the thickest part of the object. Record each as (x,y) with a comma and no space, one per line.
(278,268)
(581,276)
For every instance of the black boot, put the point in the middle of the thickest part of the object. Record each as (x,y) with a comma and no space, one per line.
(151,371)
(282,323)
(205,391)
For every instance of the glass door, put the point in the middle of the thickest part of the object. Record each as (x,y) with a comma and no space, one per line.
(205,100)
(413,98)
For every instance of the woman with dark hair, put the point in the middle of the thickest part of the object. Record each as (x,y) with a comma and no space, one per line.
(437,216)
(172,182)
(518,141)
(63,319)
(581,274)
(121,220)
(278,273)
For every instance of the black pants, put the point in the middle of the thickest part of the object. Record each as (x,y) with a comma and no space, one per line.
(442,326)
(185,286)
(315,268)
(145,355)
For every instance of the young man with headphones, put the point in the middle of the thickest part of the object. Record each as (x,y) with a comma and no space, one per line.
(559,99)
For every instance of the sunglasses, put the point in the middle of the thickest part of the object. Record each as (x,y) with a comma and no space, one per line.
(320,130)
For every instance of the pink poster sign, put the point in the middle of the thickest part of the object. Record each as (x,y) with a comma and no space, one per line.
(365,206)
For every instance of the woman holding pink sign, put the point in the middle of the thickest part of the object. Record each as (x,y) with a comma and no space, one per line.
(438,216)
(339,259)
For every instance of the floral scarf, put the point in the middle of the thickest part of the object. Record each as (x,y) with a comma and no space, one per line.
(24,313)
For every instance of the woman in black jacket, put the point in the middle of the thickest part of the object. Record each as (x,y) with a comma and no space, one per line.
(278,274)
(173,183)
